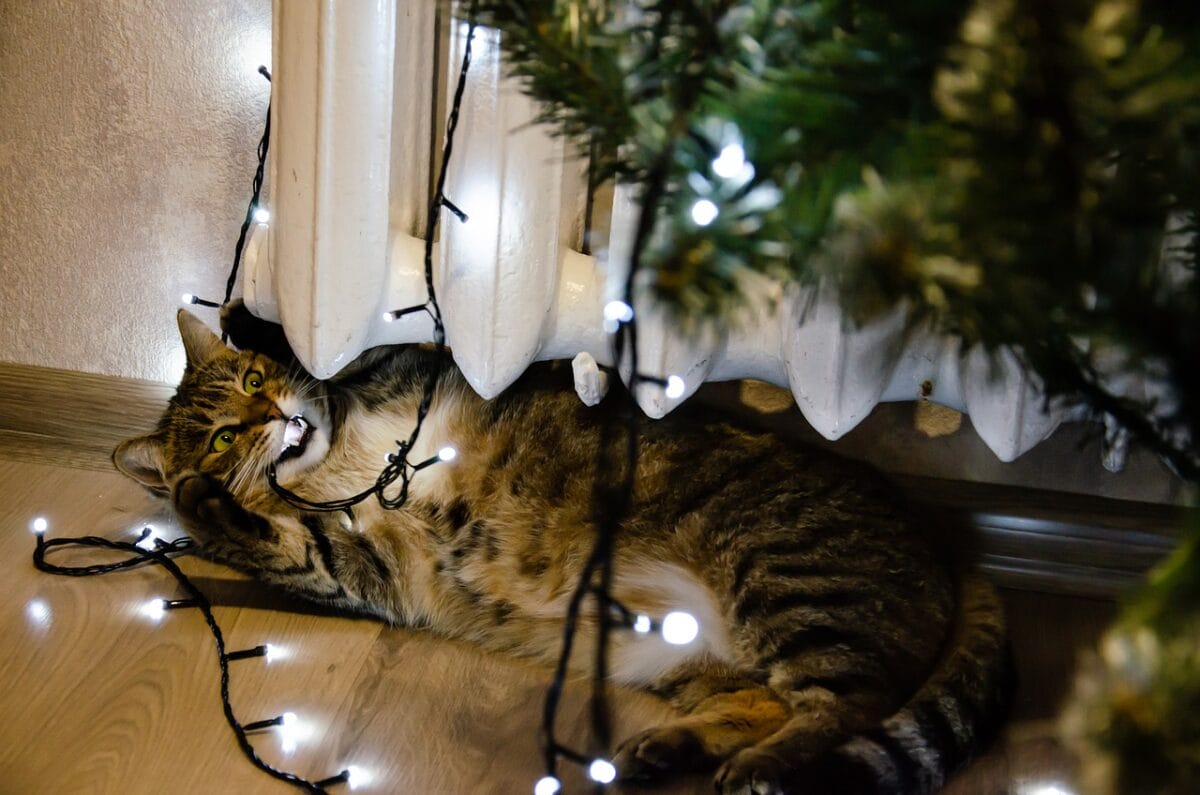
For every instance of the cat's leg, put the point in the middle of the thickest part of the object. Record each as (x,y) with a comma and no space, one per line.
(774,766)
(312,554)
(725,710)
(829,700)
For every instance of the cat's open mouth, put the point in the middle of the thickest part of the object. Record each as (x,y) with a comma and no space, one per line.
(295,438)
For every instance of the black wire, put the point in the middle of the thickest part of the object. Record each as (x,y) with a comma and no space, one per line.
(399,468)
(431,221)
(608,520)
(264,144)
(159,557)
(552,749)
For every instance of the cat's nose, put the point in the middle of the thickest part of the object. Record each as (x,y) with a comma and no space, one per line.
(264,410)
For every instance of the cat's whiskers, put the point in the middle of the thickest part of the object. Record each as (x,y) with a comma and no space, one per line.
(305,391)
(253,465)
(296,376)
(302,389)
(292,371)
(238,477)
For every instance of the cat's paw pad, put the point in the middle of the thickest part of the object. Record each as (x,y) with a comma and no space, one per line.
(194,490)
(201,499)
(754,772)
(660,752)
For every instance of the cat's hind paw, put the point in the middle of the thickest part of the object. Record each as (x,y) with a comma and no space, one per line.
(659,753)
(754,772)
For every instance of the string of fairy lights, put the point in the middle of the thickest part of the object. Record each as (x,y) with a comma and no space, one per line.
(149,549)
(677,627)
(610,503)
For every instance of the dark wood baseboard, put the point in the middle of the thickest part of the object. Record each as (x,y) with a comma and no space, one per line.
(1029,539)
(1053,541)
(73,419)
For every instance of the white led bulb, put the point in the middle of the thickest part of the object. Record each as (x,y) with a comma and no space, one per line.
(291,731)
(358,777)
(731,162)
(680,628)
(602,771)
(618,310)
(147,543)
(155,609)
(704,212)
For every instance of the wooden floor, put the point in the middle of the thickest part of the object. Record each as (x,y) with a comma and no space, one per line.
(101,698)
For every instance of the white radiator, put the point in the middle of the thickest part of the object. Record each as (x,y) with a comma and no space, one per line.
(349,174)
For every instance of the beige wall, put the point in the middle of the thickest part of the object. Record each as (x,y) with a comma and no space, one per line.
(127,144)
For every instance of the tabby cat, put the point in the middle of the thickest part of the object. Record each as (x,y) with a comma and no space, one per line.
(838,651)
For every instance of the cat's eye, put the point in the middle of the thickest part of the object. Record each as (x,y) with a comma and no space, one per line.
(223,440)
(253,382)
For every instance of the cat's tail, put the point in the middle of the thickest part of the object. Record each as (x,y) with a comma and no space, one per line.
(955,714)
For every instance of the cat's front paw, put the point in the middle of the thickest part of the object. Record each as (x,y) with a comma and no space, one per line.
(205,506)
(659,753)
(754,772)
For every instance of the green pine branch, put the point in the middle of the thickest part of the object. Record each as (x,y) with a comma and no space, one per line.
(1006,167)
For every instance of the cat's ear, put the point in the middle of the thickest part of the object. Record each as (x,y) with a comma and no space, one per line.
(200,344)
(142,460)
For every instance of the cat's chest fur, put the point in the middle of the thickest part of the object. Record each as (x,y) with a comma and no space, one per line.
(368,435)
(456,544)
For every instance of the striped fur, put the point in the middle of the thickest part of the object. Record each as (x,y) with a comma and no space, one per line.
(838,650)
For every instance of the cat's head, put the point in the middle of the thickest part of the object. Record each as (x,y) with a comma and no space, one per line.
(234,414)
